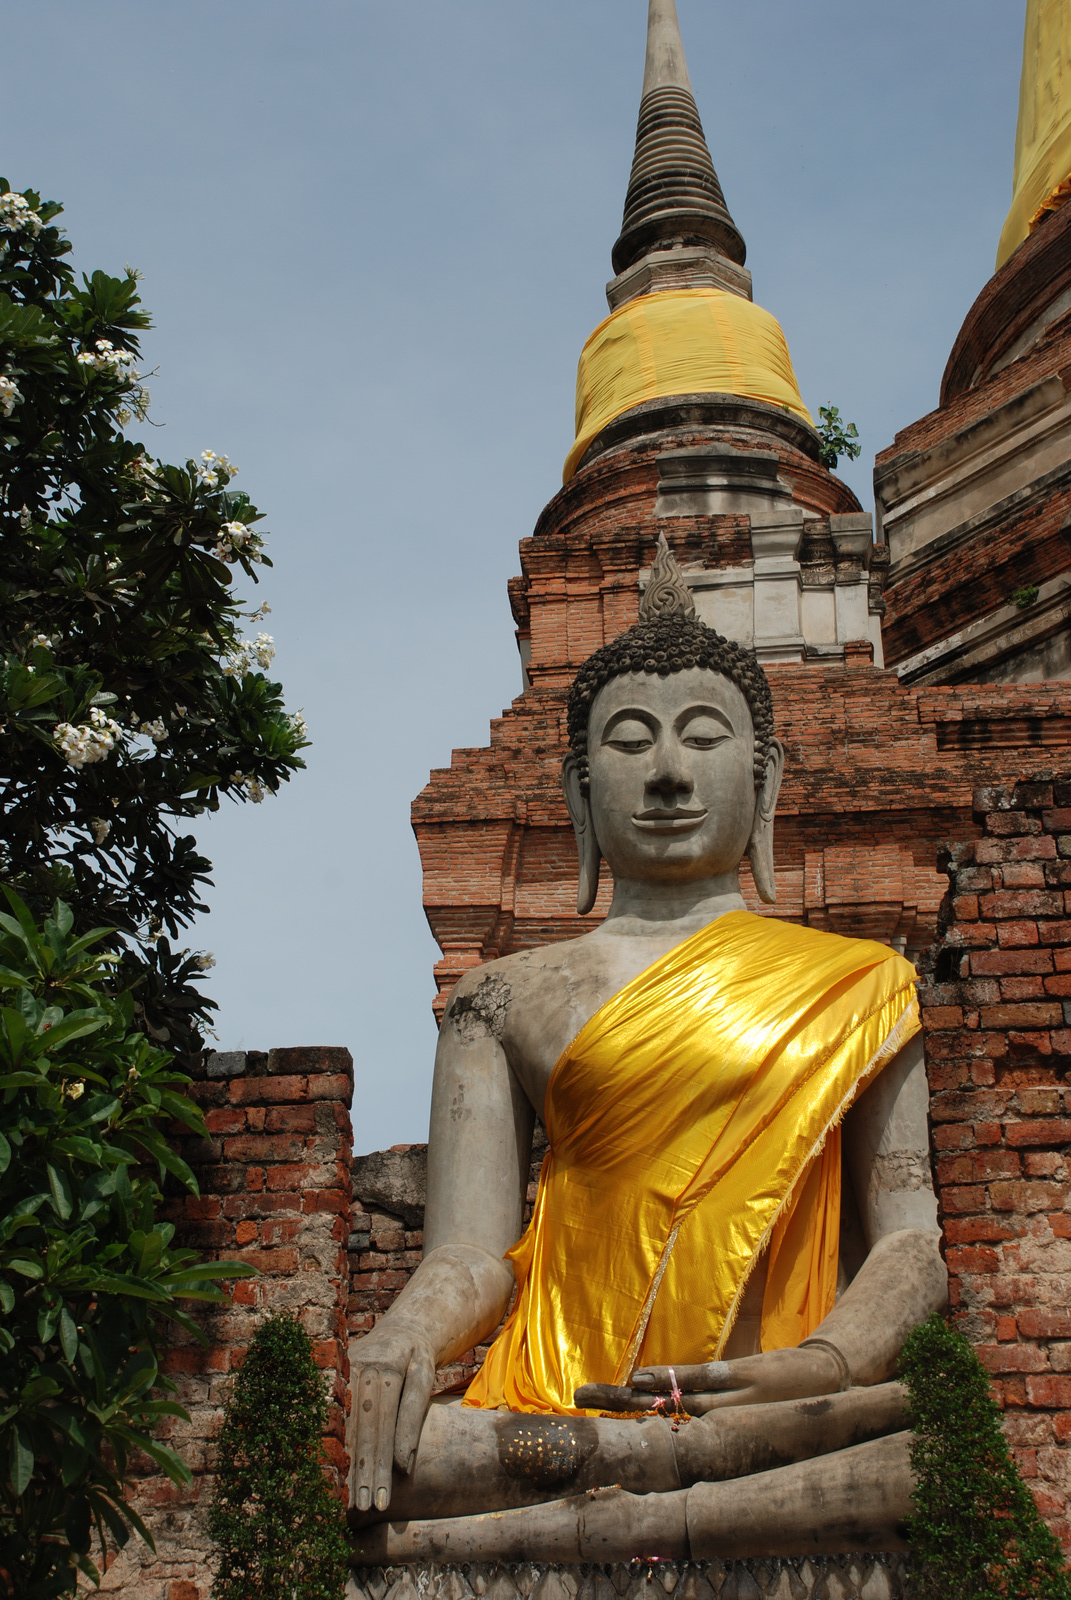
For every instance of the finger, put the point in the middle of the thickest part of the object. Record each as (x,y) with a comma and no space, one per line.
(378,1390)
(708,1377)
(365,1398)
(413,1409)
(386,1415)
(610,1397)
(700,1404)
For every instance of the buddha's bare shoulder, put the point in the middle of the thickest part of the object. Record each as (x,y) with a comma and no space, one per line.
(535,1001)
(496,986)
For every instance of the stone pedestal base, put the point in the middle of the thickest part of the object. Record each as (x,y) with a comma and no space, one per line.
(850,1577)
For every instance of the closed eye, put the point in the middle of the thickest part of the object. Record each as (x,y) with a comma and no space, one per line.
(632,746)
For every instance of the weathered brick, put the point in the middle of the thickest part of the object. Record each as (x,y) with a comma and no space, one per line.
(273,1147)
(267,1091)
(1041,1014)
(1049,1391)
(998,963)
(1016,905)
(331,1086)
(942,1017)
(1039,1323)
(1054,1130)
(1013,1358)
(291,1119)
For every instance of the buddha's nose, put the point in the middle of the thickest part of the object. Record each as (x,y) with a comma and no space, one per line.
(669,776)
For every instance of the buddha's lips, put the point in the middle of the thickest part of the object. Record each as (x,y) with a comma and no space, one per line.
(661,820)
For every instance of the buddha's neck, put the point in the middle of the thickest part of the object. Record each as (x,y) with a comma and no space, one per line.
(649,910)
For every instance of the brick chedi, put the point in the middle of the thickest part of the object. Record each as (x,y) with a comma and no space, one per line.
(974,500)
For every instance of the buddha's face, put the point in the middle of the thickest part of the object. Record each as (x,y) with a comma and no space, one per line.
(671,767)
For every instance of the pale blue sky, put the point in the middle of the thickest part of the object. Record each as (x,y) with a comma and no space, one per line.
(374,239)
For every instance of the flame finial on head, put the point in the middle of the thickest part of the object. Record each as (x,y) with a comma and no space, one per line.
(667,595)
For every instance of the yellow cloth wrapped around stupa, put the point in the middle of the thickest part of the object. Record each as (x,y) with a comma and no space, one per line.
(1042,177)
(693,1122)
(680,341)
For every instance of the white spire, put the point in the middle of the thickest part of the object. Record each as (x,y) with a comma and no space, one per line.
(665,52)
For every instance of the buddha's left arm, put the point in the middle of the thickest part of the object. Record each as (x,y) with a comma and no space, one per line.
(902,1280)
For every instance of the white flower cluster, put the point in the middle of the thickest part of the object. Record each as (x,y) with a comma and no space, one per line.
(205,961)
(215,470)
(254,789)
(156,730)
(9,392)
(258,652)
(18,216)
(235,536)
(299,725)
(45,642)
(90,741)
(100,829)
(106,358)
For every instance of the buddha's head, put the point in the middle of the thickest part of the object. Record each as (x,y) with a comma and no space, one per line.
(673,770)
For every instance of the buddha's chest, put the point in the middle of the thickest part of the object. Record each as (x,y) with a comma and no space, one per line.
(556,1000)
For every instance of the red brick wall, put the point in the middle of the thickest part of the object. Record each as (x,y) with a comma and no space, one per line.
(977,578)
(275,1187)
(996,1009)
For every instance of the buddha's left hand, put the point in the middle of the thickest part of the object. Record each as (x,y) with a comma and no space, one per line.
(796,1374)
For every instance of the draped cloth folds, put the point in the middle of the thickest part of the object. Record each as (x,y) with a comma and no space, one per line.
(680,341)
(692,1122)
(1042,177)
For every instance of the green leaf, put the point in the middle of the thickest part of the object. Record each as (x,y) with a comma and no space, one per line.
(26,1268)
(20,1460)
(68,1334)
(5,1154)
(61,1192)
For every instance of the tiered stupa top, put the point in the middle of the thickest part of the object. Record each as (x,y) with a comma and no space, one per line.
(681,340)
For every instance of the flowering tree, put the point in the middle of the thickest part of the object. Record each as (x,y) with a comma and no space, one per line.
(129,699)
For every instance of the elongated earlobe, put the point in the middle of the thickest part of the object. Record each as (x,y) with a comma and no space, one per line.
(760,846)
(587,846)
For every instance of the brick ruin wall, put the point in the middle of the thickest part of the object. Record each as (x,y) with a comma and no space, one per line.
(275,1181)
(335,1240)
(996,1008)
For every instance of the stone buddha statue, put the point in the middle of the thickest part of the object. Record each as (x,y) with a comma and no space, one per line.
(735,1227)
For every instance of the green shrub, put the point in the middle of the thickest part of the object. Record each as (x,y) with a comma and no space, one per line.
(838,437)
(281,1534)
(976,1533)
(86,1273)
(128,695)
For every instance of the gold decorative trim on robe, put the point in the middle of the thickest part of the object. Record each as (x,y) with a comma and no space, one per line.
(694,1120)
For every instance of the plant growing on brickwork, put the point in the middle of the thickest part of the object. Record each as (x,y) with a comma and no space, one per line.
(975,1532)
(281,1535)
(128,697)
(838,437)
(86,1273)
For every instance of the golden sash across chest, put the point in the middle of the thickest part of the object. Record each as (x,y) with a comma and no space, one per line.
(693,1121)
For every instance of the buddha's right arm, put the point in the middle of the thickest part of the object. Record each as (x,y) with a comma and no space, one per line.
(479,1149)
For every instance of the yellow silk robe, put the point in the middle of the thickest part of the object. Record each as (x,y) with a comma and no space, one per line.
(693,1121)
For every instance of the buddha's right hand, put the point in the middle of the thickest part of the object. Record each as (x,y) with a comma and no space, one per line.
(393,1373)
